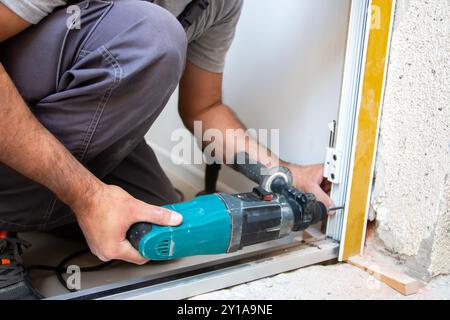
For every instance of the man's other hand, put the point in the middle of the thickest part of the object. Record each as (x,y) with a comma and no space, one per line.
(107,214)
(310,179)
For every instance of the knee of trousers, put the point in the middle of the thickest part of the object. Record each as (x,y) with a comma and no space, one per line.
(149,46)
(151,50)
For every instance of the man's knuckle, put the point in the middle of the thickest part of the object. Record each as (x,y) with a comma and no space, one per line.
(132,205)
(141,262)
(103,259)
(110,253)
(97,254)
(100,256)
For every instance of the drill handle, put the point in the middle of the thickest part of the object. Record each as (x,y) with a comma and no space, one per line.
(137,231)
(268,179)
(249,168)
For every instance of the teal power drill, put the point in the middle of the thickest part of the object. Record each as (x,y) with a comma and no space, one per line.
(221,223)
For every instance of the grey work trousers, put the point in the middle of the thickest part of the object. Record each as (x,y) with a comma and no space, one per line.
(98,89)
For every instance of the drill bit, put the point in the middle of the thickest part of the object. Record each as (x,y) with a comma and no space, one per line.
(336,209)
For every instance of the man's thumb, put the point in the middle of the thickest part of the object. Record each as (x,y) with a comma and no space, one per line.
(158,215)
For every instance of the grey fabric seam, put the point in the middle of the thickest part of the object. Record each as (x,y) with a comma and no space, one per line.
(19,225)
(48,213)
(40,226)
(118,73)
(94,27)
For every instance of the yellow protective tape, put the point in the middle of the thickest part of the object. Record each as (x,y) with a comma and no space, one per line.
(367,126)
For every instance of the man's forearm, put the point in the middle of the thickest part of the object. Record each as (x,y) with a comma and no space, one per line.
(221,117)
(29,148)
(10,23)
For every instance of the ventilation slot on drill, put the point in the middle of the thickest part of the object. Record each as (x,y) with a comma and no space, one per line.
(164,247)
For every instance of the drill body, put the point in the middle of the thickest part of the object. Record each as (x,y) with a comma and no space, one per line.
(222,223)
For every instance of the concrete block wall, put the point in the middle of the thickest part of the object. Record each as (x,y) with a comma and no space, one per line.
(411,196)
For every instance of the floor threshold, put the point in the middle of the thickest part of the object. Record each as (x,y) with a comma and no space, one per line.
(226,271)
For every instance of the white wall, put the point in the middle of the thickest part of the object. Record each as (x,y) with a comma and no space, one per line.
(283,72)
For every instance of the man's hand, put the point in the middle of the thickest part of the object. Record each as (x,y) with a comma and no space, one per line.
(106,216)
(310,179)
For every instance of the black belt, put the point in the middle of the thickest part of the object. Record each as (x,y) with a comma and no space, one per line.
(192,12)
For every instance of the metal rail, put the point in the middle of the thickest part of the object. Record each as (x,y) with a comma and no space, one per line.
(191,277)
(231,276)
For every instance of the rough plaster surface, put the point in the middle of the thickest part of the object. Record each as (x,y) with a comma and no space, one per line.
(440,255)
(412,187)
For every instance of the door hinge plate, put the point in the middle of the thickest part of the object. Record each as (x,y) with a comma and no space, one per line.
(333,166)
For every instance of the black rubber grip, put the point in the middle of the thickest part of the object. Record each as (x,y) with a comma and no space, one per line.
(253,171)
(136,232)
(318,211)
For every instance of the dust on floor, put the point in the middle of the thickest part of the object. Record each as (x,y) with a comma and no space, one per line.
(334,282)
